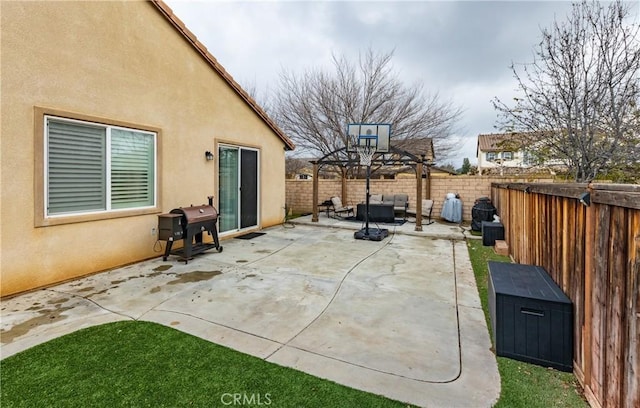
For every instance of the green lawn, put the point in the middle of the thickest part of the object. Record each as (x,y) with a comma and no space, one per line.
(140,364)
(523,385)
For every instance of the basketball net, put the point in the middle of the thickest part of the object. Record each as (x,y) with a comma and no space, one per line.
(366,154)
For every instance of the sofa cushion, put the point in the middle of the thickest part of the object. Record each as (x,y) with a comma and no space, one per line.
(375,199)
(400,201)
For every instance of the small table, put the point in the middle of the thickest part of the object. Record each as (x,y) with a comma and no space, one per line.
(377,212)
(327,205)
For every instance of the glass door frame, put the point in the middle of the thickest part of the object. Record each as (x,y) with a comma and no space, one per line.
(239,149)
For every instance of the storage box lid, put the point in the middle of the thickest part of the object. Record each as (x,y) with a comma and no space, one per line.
(526,281)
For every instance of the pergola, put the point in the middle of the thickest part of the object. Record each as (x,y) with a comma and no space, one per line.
(399,157)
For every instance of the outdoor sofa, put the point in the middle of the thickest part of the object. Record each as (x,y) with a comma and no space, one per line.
(400,202)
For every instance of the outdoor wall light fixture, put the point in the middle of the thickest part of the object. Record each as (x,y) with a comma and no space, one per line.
(208,155)
(585,199)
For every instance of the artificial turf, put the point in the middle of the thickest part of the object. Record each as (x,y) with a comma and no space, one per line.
(142,364)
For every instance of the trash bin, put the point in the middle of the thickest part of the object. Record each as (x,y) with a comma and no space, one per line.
(482,210)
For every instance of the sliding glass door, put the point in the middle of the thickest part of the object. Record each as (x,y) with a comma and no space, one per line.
(228,196)
(248,188)
(238,188)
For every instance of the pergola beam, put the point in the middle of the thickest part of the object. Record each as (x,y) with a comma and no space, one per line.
(407,159)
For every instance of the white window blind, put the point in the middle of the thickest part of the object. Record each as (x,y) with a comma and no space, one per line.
(93,167)
(132,166)
(76,168)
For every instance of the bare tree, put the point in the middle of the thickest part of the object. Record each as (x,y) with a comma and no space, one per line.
(581,93)
(259,94)
(293,166)
(315,107)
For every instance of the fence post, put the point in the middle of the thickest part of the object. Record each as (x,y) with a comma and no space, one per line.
(344,193)
(587,329)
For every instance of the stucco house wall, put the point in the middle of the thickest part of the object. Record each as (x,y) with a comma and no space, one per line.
(500,161)
(121,63)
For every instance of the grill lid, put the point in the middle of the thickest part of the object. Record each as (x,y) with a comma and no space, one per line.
(199,213)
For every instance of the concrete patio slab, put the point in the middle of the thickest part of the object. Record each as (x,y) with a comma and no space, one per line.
(400,317)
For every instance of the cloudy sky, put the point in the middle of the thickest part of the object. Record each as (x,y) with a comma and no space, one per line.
(462,50)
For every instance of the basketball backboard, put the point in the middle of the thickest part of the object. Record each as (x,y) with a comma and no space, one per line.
(371,133)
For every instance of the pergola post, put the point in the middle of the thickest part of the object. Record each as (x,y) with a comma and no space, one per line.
(343,195)
(314,217)
(427,188)
(419,196)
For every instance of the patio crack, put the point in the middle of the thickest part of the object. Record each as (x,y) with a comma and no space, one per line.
(455,285)
(457,313)
(335,293)
(94,302)
(216,323)
(267,256)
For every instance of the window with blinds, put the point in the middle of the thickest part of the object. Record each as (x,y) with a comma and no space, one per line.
(132,165)
(94,167)
(76,167)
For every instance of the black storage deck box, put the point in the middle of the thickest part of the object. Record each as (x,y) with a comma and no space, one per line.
(491,231)
(377,212)
(531,318)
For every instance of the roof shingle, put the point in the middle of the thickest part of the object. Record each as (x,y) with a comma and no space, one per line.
(497,142)
(417,146)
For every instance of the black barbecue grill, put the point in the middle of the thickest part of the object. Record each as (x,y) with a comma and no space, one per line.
(189,224)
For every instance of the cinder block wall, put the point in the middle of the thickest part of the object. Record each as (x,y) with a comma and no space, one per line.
(469,188)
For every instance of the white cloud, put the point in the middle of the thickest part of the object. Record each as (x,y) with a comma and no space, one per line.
(460,49)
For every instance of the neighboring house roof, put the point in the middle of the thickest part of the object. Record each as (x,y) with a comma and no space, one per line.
(416,146)
(498,142)
(166,11)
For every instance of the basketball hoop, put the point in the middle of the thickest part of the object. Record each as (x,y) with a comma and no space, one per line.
(366,154)
(376,135)
(366,145)
(367,139)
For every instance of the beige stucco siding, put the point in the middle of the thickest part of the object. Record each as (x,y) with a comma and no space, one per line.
(121,61)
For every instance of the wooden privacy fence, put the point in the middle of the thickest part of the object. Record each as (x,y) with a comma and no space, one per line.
(593,253)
